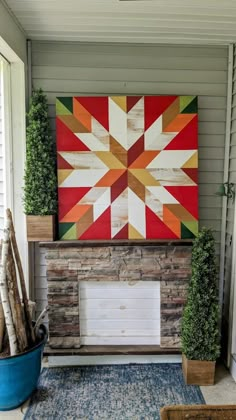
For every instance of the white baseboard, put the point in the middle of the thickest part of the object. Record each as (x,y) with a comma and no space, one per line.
(233,368)
(59,361)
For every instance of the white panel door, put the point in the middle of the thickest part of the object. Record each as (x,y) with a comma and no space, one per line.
(120,313)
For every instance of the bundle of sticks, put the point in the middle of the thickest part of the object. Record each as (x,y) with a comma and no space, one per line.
(16,328)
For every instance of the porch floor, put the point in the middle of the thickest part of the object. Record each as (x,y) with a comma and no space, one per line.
(223,392)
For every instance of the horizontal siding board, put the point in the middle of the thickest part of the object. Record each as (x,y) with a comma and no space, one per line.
(210,177)
(129,50)
(207,190)
(210,202)
(207,153)
(211,140)
(53,59)
(216,165)
(130,75)
(75,87)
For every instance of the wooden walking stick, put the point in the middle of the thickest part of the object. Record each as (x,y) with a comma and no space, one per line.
(28,318)
(4,290)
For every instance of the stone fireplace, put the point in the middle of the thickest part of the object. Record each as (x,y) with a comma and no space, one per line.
(73,264)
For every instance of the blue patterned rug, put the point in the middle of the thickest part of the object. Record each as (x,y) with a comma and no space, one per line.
(114,392)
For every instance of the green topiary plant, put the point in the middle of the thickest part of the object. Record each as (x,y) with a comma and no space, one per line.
(40,191)
(200,328)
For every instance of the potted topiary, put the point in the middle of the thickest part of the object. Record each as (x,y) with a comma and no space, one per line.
(40,191)
(200,322)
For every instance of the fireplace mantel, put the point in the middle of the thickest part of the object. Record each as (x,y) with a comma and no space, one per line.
(114,242)
(69,262)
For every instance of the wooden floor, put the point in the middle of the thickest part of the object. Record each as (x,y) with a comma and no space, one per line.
(111,350)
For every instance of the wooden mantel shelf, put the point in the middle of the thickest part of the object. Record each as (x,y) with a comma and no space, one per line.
(102,243)
(111,350)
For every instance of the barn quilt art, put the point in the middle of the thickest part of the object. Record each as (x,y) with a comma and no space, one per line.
(127,167)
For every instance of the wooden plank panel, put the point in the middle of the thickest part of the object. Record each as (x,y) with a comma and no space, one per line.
(121,331)
(118,324)
(121,312)
(120,293)
(120,341)
(112,304)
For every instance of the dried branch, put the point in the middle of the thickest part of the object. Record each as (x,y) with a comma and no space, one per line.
(2,326)
(28,318)
(4,289)
(15,302)
(40,318)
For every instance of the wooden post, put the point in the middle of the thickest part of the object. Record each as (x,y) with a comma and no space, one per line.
(4,290)
(28,319)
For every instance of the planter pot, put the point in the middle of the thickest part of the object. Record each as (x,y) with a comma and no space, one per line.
(19,375)
(197,372)
(40,228)
(200,412)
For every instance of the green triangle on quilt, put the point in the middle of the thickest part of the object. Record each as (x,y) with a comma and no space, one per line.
(67,231)
(188,105)
(189,229)
(64,106)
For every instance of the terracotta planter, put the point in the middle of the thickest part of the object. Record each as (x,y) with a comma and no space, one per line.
(40,228)
(197,372)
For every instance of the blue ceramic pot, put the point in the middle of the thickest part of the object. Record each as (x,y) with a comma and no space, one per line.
(19,374)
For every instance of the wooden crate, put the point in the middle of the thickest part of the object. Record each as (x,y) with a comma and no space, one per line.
(40,228)
(197,372)
(198,412)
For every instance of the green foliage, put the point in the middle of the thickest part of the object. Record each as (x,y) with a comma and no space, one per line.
(200,329)
(40,191)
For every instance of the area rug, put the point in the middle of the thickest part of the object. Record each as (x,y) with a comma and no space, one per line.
(114,392)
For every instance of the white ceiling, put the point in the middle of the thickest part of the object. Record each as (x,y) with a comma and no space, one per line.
(140,21)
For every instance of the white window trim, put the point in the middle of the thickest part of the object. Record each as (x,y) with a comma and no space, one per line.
(7,136)
(15,153)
